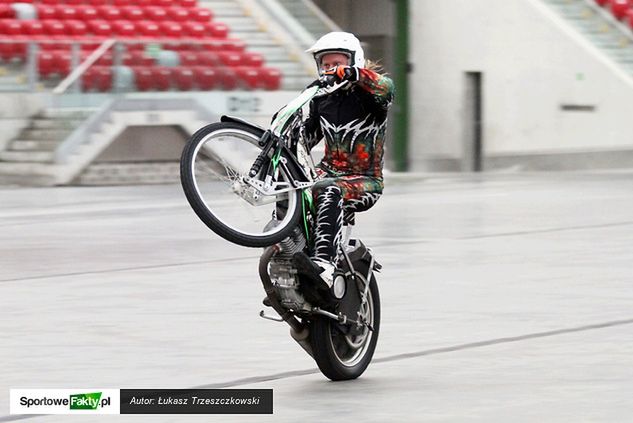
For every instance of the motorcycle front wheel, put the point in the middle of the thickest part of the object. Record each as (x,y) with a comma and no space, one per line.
(342,355)
(212,167)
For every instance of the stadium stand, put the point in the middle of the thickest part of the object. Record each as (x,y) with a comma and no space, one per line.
(164,45)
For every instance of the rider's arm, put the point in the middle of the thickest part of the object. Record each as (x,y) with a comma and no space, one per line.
(379,86)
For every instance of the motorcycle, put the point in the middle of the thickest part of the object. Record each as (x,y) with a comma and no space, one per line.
(252,186)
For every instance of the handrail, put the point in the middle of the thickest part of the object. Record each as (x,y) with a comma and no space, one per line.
(79,70)
(79,135)
(332,26)
(609,18)
(289,22)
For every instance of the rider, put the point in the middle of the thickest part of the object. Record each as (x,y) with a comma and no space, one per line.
(353,121)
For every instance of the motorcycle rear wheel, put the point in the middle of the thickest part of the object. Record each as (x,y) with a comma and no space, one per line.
(344,357)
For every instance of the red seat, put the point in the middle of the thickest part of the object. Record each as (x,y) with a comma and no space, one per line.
(602,2)
(137,58)
(100,27)
(62,62)
(217,29)
(271,78)
(149,29)
(124,28)
(123,2)
(188,3)
(132,13)
(200,14)
(53,27)
(194,29)
(253,59)
(620,7)
(75,27)
(172,29)
(143,77)
(189,58)
(231,59)
(11,27)
(227,78)
(32,27)
(206,78)
(162,3)
(249,78)
(45,63)
(161,76)
(183,78)
(64,12)
(6,12)
(178,14)
(97,78)
(45,11)
(232,44)
(109,13)
(98,2)
(156,13)
(87,13)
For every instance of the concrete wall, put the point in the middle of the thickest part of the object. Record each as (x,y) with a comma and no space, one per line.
(532,64)
(15,109)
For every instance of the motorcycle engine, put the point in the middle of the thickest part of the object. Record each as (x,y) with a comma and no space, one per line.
(284,276)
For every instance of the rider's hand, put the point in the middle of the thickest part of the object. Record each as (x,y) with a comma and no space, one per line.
(342,73)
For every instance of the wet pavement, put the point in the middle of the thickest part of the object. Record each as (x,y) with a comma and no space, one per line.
(504,296)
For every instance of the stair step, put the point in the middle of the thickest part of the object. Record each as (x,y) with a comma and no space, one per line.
(60,123)
(45,134)
(28,145)
(65,113)
(27,156)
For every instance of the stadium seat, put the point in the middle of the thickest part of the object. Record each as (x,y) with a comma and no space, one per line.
(45,63)
(602,2)
(132,13)
(183,78)
(178,14)
(217,29)
(32,28)
(64,12)
(109,13)
(100,27)
(97,78)
(149,29)
(620,7)
(194,29)
(231,59)
(54,27)
(143,78)
(206,78)
(87,13)
(271,78)
(188,3)
(248,77)
(154,13)
(11,27)
(45,11)
(227,78)
(200,14)
(76,27)
(124,28)
(6,12)
(252,59)
(163,3)
(137,58)
(172,29)
(161,76)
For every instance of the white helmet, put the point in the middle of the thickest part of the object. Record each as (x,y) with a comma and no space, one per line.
(338,42)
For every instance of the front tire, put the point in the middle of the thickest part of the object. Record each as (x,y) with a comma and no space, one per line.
(344,356)
(212,165)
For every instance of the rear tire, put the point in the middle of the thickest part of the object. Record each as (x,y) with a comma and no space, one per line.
(333,351)
(202,148)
